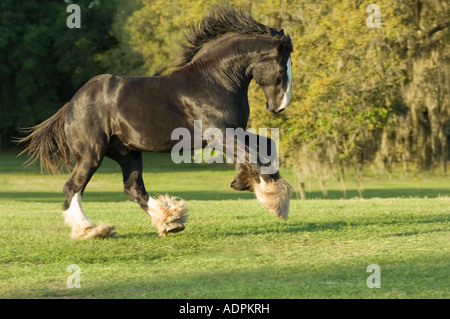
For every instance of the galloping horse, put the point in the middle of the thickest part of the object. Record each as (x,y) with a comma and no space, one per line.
(120,116)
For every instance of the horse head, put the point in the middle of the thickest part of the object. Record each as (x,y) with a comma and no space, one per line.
(234,48)
(273,72)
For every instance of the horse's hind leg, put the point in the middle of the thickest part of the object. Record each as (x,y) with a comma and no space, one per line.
(167,214)
(74,216)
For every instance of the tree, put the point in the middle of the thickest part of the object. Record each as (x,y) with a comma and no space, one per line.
(421,131)
(365,96)
(43,62)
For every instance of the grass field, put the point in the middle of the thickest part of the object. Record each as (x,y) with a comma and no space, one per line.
(231,247)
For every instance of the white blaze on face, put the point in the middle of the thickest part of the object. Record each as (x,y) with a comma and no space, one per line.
(287,94)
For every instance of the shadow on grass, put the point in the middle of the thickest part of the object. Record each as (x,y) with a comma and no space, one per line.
(142,235)
(412,278)
(336,226)
(51,197)
(382,193)
(412,233)
(217,195)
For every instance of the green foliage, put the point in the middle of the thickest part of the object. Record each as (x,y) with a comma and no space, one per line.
(361,97)
(43,62)
(352,105)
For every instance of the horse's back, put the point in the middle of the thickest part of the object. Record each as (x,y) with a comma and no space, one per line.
(139,111)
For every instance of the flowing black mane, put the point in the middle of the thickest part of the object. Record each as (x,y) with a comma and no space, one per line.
(219,22)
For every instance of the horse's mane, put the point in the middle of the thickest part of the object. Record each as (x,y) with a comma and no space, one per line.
(219,22)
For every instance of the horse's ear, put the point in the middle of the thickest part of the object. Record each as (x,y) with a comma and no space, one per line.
(285,44)
(282,32)
(282,46)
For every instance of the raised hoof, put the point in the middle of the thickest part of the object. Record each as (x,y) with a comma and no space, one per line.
(275,195)
(175,228)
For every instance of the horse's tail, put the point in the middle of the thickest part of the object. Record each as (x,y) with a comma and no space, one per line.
(47,142)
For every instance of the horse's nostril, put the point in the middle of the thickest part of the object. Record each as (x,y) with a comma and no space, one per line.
(268,108)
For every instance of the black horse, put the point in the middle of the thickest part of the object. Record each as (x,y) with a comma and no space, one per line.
(119,117)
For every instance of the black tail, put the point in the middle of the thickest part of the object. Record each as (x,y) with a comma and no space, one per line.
(47,142)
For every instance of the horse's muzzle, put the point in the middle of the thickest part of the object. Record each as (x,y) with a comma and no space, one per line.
(273,111)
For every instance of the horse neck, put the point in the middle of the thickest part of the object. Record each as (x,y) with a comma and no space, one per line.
(227,61)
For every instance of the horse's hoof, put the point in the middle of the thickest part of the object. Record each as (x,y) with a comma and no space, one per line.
(174,227)
(168,214)
(93,231)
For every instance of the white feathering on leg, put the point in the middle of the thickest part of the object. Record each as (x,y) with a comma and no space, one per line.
(275,196)
(167,213)
(82,227)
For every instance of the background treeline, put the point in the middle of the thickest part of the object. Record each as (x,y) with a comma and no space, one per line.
(363,98)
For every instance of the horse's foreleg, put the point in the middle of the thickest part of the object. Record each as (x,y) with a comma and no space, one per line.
(73,214)
(270,189)
(274,193)
(167,213)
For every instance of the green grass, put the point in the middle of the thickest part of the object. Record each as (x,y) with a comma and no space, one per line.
(231,247)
